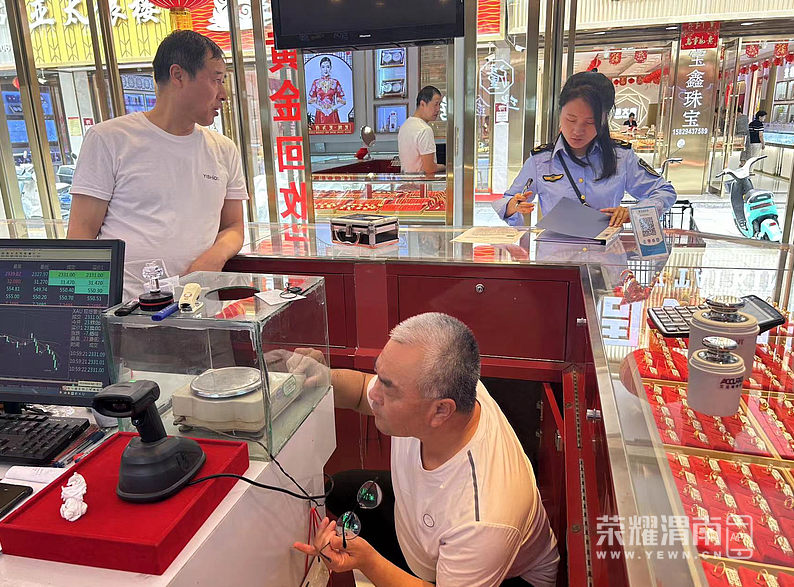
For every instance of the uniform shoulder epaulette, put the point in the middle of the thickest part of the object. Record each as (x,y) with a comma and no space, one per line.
(624,144)
(543,148)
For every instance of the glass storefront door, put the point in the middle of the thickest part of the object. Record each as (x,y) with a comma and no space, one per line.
(641,75)
(722,142)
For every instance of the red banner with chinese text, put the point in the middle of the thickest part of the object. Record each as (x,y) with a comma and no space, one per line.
(700,35)
(344,128)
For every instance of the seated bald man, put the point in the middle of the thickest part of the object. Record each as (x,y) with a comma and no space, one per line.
(466,509)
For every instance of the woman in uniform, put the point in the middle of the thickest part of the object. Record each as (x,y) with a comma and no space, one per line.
(585,163)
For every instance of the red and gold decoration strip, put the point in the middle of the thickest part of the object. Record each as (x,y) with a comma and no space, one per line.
(489,18)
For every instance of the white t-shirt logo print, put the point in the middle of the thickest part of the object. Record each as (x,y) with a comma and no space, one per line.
(211,176)
(429,522)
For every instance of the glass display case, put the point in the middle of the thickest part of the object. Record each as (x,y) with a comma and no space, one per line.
(414,200)
(643,141)
(390,78)
(779,140)
(783,107)
(699,500)
(780,134)
(239,365)
(781,91)
(433,72)
(646,469)
(390,117)
(780,113)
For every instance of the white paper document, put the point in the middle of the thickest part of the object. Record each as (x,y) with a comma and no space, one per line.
(33,474)
(275,298)
(489,235)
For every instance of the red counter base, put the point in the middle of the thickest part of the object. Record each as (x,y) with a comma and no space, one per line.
(115,534)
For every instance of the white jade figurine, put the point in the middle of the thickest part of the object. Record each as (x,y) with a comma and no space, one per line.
(72,495)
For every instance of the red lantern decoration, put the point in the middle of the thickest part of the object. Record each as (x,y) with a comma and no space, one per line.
(631,80)
(781,49)
(754,67)
(752,50)
(640,56)
(623,81)
(790,58)
(766,64)
(743,70)
(615,57)
(639,81)
(653,78)
(180,11)
(616,81)
(778,61)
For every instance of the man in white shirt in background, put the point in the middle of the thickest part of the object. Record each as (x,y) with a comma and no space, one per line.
(460,506)
(415,142)
(161,181)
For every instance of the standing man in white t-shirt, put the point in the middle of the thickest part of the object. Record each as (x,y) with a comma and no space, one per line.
(160,180)
(466,509)
(415,142)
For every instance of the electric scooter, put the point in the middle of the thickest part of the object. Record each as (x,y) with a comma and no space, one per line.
(754,210)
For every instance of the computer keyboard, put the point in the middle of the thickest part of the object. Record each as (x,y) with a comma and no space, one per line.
(36,440)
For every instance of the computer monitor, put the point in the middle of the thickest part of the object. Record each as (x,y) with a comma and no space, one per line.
(52,293)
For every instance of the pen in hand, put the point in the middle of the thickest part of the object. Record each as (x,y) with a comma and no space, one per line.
(520,199)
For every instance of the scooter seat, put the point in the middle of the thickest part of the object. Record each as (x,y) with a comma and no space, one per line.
(757,194)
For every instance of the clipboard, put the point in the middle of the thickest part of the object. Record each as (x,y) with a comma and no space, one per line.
(570,218)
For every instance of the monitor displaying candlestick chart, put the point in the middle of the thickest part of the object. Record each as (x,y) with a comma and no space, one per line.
(52,293)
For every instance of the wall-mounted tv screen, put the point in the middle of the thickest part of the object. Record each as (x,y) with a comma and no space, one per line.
(359,24)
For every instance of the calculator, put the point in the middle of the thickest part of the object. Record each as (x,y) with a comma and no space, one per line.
(673,321)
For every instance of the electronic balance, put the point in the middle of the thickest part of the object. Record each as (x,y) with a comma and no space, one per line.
(231,399)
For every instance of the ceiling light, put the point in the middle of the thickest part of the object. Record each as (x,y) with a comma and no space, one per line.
(600,33)
(748,23)
(671,28)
